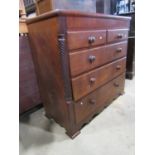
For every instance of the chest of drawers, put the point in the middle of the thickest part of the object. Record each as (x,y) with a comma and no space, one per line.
(80,62)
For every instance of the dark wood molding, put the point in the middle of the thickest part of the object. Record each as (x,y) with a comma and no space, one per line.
(65,71)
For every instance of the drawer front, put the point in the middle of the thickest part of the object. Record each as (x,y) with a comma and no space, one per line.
(86,60)
(82,39)
(90,23)
(84,84)
(117,35)
(99,98)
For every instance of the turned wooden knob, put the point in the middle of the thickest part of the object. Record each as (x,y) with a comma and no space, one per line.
(120,35)
(118,67)
(91,39)
(91,58)
(119,50)
(92,101)
(92,80)
(116,84)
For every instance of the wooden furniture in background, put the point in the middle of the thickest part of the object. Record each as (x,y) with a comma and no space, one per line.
(29,6)
(103,6)
(80,61)
(22,26)
(22,18)
(130,67)
(29,96)
(22,13)
(43,6)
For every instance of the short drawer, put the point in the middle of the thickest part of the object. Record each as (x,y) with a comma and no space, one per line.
(100,98)
(85,83)
(117,35)
(82,39)
(82,61)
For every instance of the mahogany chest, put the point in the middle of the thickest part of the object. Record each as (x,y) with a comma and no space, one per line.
(80,60)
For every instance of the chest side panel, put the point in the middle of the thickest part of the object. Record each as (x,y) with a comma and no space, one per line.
(47,58)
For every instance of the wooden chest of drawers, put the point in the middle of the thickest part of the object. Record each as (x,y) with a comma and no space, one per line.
(80,60)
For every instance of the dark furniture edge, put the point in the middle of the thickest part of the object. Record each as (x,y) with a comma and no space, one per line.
(35,108)
(126,13)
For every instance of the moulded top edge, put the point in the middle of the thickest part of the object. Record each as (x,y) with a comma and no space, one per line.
(74,13)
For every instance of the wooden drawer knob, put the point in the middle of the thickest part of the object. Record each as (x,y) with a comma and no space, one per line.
(92,101)
(92,80)
(91,58)
(119,50)
(116,84)
(118,67)
(91,39)
(120,35)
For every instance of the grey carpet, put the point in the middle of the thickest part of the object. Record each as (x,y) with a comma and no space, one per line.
(110,133)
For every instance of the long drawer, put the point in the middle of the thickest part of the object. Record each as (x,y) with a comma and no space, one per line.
(82,61)
(84,84)
(82,39)
(90,23)
(101,97)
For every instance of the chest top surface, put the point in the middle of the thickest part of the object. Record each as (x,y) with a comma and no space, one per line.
(66,13)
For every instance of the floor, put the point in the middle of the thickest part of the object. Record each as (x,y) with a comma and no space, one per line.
(110,133)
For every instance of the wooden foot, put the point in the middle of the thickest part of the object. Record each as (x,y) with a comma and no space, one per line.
(73,135)
(47,116)
(129,75)
(122,93)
